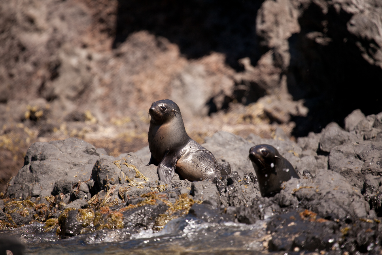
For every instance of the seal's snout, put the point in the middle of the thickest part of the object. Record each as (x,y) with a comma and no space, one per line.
(152,110)
(252,154)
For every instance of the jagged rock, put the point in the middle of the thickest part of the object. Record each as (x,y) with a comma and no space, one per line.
(49,167)
(204,191)
(208,213)
(125,193)
(353,119)
(311,142)
(354,160)
(333,136)
(328,194)
(303,231)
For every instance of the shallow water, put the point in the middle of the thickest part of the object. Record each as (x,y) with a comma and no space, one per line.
(180,236)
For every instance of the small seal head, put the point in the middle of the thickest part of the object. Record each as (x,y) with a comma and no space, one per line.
(271,168)
(163,111)
(172,149)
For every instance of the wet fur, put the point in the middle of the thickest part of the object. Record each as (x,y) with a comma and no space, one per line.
(172,149)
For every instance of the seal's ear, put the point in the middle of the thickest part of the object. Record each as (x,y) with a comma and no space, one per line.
(173,110)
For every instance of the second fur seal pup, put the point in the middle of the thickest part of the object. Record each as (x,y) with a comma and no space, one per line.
(271,168)
(172,149)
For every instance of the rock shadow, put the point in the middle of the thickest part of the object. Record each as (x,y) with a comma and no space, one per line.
(328,71)
(197,27)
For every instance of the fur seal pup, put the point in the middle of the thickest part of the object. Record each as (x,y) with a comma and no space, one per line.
(271,168)
(172,149)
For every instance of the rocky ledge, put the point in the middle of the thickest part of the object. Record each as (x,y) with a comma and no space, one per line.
(74,188)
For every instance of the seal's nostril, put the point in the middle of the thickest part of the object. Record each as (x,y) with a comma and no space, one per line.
(152,110)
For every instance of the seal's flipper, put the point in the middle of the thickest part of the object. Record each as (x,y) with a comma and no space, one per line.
(165,173)
(224,168)
(152,161)
(166,168)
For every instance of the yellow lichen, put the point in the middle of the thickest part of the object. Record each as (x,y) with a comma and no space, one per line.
(120,122)
(181,207)
(50,224)
(33,113)
(86,217)
(138,174)
(89,117)
(345,231)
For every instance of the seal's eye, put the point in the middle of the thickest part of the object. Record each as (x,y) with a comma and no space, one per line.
(264,152)
(162,108)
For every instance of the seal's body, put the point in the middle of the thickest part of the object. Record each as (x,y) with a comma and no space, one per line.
(271,168)
(172,149)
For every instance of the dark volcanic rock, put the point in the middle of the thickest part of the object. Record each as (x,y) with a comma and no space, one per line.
(233,149)
(81,221)
(328,194)
(261,208)
(143,217)
(235,191)
(311,142)
(370,128)
(353,119)
(354,160)
(70,225)
(64,162)
(302,230)
(207,213)
(333,136)
(337,188)
(204,191)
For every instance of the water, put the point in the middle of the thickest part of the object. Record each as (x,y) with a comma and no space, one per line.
(185,235)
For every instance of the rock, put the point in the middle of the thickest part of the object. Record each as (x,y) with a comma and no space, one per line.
(354,160)
(237,191)
(123,193)
(77,204)
(378,121)
(207,213)
(353,119)
(333,136)
(370,128)
(311,142)
(138,159)
(328,194)
(64,162)
(189,90)
(76,116)
(311,164)
(261,208)
(303,231)
(233,149)
(206,192)
(70,225)
(361,235)
(143,217)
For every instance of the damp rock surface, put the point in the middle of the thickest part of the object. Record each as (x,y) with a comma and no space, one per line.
(78,191)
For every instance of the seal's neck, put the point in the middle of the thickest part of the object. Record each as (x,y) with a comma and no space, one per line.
(178,131)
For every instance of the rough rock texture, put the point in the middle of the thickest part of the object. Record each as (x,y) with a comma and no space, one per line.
(303,231)
(333,136)
(324,50)
(341,199)
(91,69)
(54,167)
(334,206)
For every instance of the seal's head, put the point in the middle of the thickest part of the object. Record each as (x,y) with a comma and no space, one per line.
(163,111)
(264,156)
